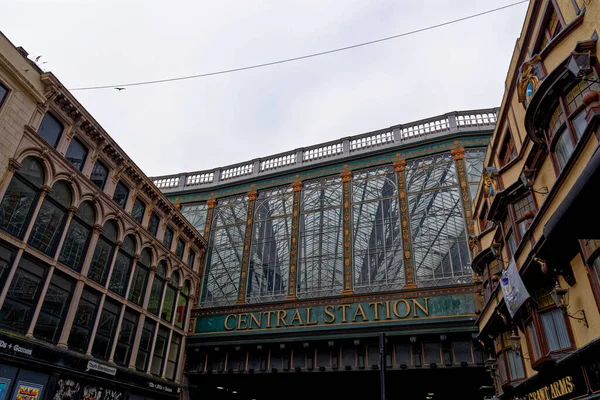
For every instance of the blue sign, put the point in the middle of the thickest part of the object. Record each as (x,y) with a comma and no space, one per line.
(529,90)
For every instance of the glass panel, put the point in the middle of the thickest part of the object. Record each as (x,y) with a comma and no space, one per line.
(174,279)
(16,206)
(86,213)
(168,238)
(226,246)
(32,170)
(76,154)
(523,206)
(440,250)
(378,261)
(155,295)
(191,259)
(6,257)
(146,258)
(120,274)
(179,249)
(126,337)
(137,212)
(22,296)
(270,251)
(555,330)
(75,245)
(99,174)
(556,121)
(533,341)
(54,308)
(563,150)
(50,220)
(153,224)
(574,97)
(515,365)
(50,129)
(121,193)
(320,263)
(196,214)
(110,231)
(101,261)
(61,193)
(3,93)
(138,284)
(579,123)
(181,310)
(462,351)
(173,356)
(84,320)
(403,354)
(159,351)
(168,304)
(107,327)
(431,352)
(141,361)
(162,270)
(128,245)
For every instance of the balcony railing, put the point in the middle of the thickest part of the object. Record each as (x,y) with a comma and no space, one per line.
(443,125)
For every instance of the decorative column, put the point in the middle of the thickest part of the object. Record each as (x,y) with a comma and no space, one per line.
(146,300)
(296,188)
(459,155)
(117,333)
(136,341)
(87,261)
(136,258)
(209,217)
(400,167)
(246,257)
(72,211)
(166,357)
(96,323)
(36,312)
(347,230)
(70,318)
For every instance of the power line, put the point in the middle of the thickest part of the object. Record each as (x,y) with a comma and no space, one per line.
(287,60)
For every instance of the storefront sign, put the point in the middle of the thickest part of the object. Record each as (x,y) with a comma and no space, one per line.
(329,316)
(91,365)
(556,390)
(158,386)
(15,348)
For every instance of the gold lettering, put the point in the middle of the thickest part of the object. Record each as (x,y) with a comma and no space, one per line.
(329,313)
(395,308)
(375,306)
(281,316)
(359,310)
(308,321)
(242,318)
(257,321)
(569,385)
(387,310)
(344,307)
(425,308)
(269,313)
(297,317)
(227,328)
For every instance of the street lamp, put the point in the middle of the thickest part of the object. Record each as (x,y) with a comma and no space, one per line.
(515,340)
(561,299)
(580,65)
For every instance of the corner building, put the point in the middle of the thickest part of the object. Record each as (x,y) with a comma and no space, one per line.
(314,253)
(98,270)
(537,208)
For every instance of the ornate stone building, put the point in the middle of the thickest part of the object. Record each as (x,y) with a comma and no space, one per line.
(536,213)
(98,270)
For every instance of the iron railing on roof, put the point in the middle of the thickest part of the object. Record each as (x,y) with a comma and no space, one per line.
(442,125)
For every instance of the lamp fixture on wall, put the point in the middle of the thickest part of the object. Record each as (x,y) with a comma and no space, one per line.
(515,340)
(527,179)
(561,299)
(580,65)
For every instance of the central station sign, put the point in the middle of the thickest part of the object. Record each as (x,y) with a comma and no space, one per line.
(339,315)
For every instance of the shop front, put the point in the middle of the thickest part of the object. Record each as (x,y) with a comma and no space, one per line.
(35,371)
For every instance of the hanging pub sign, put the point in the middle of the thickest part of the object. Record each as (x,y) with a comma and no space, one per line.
(338,315)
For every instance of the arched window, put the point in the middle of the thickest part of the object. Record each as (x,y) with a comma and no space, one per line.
(140,277)
(51,219)
(120,274)
(170,293)
(103,253)
(20,196)
(78,236)
(182,304)
(158,285)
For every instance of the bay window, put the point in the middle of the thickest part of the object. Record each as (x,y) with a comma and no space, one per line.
(510,362)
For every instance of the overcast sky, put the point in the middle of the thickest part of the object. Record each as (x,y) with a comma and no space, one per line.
(209,122)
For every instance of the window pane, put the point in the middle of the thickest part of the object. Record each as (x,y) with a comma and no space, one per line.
(126,337)
(120,274)
(3,93)
(155,295)
(6,257)
(564,148)
(99,174)
(378,260)
(16,206)
(462,351)
(153,224)
(555,330)
(224,258)
(159,351)
(191,258)
(180,249)
(533,341)
(50,129)
(100,261)
(137,212)
(173,356)
(515,365)
(121,193)
(579,123)
(431,352)
(270,249)
(140,279)
(56,304)
(48,227)
(84,320)
(141,361)
(169,302)
(76,153)
(107,327)
(196,214)
(181,310)
(75,245)
(22,296)
(168,238)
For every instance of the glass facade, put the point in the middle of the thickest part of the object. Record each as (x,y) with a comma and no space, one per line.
(196,214)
